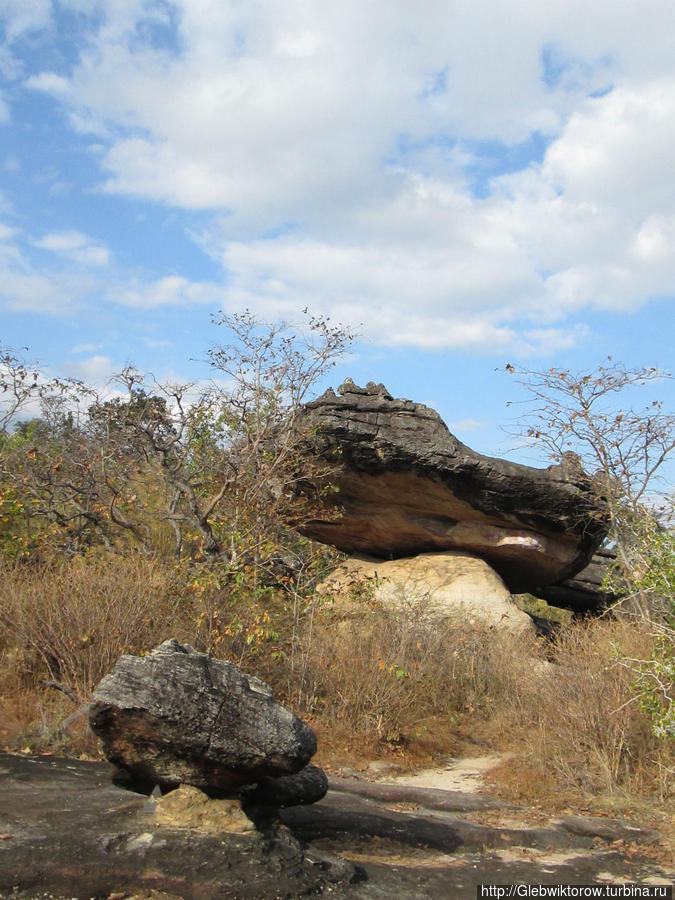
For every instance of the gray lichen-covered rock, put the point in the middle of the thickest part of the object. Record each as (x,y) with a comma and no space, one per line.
(408,486)
(177,716)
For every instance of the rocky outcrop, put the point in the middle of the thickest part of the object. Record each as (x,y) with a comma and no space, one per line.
(68,832)
(450,585)
(406,486)
(586,592)
(177,716)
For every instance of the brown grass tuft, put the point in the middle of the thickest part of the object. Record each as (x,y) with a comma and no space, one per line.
(374,682)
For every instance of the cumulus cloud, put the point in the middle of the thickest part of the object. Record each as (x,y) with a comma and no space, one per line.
(353,157)
(293,110)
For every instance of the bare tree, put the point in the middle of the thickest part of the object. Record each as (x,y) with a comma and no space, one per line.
(623,446)
(20,383)
(270,371)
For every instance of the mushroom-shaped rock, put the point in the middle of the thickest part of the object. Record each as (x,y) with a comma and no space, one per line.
(177,716)
(406,485)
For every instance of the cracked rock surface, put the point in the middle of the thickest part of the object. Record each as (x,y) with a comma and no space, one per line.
(66,832)
(177,716)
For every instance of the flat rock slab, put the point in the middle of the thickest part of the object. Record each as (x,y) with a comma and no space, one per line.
(428,798)
(68,832)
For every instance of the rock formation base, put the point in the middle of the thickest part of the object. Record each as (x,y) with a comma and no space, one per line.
(450,585)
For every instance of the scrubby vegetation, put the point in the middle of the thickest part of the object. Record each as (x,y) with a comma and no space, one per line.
(372,682)
(165,511)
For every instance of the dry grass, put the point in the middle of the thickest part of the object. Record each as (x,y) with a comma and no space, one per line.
(578,725)
(68,623)
(385,672)
(373,682)
(399,682)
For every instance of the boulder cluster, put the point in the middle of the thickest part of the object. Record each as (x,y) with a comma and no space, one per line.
(406,487)
(424,518)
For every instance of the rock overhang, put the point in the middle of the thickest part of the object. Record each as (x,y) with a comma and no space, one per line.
(406,485)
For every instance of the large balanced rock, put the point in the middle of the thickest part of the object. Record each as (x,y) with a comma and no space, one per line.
(177,716)
(451,585)
(406,485)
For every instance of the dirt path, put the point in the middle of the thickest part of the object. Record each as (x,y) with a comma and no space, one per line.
(465,774)
(446,836)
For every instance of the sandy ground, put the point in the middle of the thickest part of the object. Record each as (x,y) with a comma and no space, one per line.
(466,774)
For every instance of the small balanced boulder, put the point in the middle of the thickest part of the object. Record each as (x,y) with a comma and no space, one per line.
(177,716)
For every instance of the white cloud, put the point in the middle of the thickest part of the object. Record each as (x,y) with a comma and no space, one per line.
(40,293)
(598,214)
(51,83)
(20,16)
(338,146)
(75,246)
(96,370)
(170,291)
(6,232)
(75,276)
(84,348)
(27,286)
(615,150)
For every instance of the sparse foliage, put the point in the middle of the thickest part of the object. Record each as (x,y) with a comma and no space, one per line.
(270,371)
(211,470)
(625,449)
(19,383)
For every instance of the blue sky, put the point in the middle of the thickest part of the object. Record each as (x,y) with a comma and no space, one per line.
(465,184)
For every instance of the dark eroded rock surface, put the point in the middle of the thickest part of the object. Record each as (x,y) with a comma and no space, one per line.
(66,831)
(408,486)
(586,591)
(307,786)
(177,716)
